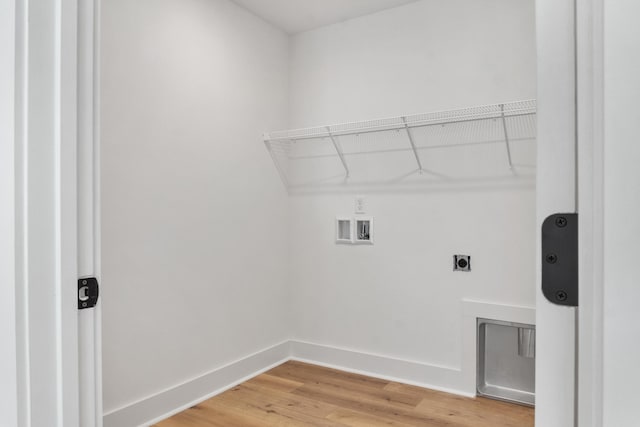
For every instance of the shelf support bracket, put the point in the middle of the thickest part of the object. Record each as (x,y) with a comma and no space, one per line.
(338,150)
(283,176)
(506,135)
(413,144)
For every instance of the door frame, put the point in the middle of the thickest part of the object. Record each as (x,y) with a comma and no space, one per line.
(47,89)
(569,358)
(556,183)
(8,351)
(88,175)
(55,253)
(590,130)
(45,209)
(571,386)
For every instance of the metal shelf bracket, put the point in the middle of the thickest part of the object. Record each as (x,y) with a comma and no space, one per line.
(413,144)
(283,176)
(339,151)
(506,135)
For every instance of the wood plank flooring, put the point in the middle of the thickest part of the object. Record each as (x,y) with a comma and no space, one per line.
(298,394)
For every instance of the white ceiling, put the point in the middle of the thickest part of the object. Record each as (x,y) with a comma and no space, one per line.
(295,16)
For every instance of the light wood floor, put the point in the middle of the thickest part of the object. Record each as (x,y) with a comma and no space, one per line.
(298,394)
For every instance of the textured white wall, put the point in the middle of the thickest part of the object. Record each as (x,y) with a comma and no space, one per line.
(621,205)
(399,297)
(194,214)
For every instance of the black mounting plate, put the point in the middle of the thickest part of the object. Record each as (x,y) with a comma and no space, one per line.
(88,292)
(560,259)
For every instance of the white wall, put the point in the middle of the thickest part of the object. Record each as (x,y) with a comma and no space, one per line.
(194,214)
(197,246)
(621,205)
(8,367)
(399,298)
(426,56)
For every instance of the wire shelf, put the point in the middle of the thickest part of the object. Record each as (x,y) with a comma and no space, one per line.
(367,150)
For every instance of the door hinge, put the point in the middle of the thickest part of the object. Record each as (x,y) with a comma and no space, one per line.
(560,259)
(88,292)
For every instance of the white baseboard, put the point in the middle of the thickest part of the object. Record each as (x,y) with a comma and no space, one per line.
(457,380)
(176,399)
(435,377)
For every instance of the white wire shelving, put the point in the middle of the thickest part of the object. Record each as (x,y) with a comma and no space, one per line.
(311,155)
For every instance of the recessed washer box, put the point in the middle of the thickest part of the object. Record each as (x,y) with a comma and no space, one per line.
(364,230)
(344,230)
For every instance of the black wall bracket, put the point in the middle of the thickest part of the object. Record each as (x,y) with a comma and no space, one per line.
(88,292)
(560,259)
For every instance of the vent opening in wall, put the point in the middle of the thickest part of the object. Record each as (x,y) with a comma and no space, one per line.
(506,361)
(344,230)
